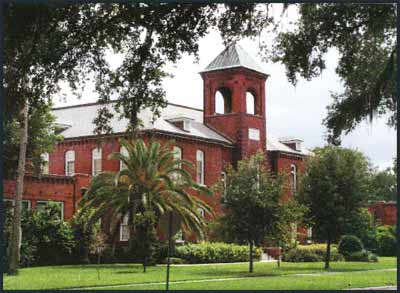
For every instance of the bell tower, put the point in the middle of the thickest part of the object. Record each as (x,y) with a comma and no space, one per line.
(234,99)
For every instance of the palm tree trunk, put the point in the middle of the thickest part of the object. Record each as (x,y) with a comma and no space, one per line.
(16,233)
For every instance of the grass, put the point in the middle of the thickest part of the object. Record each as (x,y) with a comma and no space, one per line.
(325,282)
(78,276)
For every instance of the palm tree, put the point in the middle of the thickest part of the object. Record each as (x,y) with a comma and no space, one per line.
(152,180)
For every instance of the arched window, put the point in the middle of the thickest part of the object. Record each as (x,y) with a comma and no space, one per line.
(200,167)
(250,103)
(70,163)
(96,161)
(223,180)
(45,166)
(293,178)
(177,156)
(123,151)
(223,100)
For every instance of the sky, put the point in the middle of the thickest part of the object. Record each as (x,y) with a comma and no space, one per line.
(290,111)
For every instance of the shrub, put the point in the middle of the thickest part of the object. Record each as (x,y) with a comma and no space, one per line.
(215,252)
(46,239)
(311,253)
(349,244)
(386,240)
(386,244)
(362,255)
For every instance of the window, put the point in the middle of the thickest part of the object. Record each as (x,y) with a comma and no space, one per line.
(223,180)
(293,179)
(250,103)
(294,231)
(25,204)
(41,204)
(177,156)
(124,229)
(254,134)
(96,161)
(45,166)
(223,101)
(70,163)
(200,167)
(123,151)
(179,237)
(309,234)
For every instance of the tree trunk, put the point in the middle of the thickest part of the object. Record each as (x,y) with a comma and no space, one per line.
(251,257)
(328,253)
(16,233)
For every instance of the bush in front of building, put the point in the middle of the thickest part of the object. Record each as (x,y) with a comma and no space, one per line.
(46,239)
(311,253)
(349,244)
(386,241)
(215,252)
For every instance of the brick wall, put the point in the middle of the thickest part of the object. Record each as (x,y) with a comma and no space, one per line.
(384,212)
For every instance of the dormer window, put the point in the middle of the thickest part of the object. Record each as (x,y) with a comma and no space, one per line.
(293,143)
(182,122)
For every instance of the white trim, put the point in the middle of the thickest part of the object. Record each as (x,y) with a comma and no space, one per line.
(69,157)
(200,160)
(123,151)
(96,155)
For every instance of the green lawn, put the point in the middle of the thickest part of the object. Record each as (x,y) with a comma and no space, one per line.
(267,276)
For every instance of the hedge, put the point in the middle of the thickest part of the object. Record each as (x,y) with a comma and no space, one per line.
(215,252)
(311,253)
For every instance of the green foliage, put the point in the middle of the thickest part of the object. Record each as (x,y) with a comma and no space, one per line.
(362,255)
(364,37)
(361,224)
(349,244)
(215,252)
(251,196)
(386,241)
(147,184)
(41,138)
(383,185)
(310,253)
(333,189)
(145,238)
(46,239)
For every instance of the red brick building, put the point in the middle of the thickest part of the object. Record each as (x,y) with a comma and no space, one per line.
(231,126)
(384,212)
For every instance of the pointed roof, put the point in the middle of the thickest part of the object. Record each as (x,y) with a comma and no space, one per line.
(233,56)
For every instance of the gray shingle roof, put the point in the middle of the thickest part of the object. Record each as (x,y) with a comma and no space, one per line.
(273,144)
(80,121)
(233,56)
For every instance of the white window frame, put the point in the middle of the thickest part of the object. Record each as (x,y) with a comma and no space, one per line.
(13,203)
(55,201)
(123,151)
(200,167)
(293,178)
(123,237)
(46,158)
(96,156)
(177,156)
(69,157)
